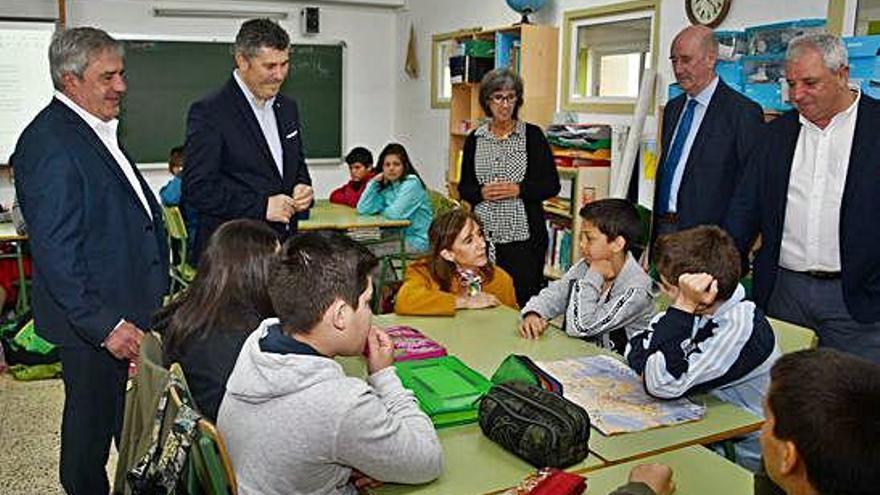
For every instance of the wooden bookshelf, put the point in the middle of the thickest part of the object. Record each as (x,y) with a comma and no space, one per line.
(537,61)
(587,184)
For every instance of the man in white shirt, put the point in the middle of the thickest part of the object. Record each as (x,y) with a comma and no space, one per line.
(98,245)
(814,194)
(244,144)
(708,134)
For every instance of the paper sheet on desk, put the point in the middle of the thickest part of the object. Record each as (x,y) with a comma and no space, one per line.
(614,396)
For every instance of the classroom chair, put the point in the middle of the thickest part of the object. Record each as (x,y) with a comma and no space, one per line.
(440,203)
(209,467)
(180,271)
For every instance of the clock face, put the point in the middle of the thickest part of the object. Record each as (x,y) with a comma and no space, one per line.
(707,12)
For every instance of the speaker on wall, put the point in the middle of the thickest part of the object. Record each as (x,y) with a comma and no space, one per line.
(310,20)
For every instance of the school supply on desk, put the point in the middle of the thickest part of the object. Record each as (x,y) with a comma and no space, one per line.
(550,481)
(519,368)
(446,389)
(410,344)
(615,396)
(541,427)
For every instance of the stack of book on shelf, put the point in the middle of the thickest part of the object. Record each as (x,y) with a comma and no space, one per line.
(558,259)
(589,137)
(558,206)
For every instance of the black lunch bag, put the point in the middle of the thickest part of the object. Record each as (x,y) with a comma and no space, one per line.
(541,427)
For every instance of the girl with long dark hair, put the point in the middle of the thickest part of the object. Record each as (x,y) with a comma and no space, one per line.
(205,327)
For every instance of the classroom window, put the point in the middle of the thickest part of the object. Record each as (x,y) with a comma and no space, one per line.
(606,50)
(867,17)
(443,46)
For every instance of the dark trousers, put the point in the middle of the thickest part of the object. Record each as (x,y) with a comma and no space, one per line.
(818,304)
(94,401)
(524,261)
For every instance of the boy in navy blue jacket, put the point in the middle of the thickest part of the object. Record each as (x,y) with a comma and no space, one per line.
(710,339)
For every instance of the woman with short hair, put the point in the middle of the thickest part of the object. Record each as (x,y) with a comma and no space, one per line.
(507,172)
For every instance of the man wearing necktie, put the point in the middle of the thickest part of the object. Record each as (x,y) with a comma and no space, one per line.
(708,134)
(244,144)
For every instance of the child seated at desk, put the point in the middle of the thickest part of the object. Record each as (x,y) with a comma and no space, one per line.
(457,274)
(292,420)
(823,425)
(710,339)
(170,192)
(398,193)
(360,168)
(204,328)
(605,296)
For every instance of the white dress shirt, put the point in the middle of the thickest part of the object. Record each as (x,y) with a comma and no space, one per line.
(703,99)
(106,132)
(265,115)
(810,234)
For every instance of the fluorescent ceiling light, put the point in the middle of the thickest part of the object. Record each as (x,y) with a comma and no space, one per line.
(215,13)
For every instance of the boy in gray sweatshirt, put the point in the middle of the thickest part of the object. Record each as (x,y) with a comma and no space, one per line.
(606,296)
(294,423)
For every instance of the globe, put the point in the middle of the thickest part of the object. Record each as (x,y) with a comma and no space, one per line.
(526,7)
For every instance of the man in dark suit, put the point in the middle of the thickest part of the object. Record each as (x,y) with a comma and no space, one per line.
(98,243)
(244,150)
(708,133)
(813,193)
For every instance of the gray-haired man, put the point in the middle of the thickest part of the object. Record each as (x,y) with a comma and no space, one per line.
(813,193)
(98,244)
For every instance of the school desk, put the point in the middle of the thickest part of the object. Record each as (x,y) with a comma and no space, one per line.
(325,215)
(482,339)
(696,471)
(9,235)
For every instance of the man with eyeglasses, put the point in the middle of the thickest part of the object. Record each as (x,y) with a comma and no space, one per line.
(708,134)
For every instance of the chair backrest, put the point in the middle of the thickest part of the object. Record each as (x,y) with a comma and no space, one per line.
(141,402)
(791,337)
(209,460)
(441,203)
(174,223)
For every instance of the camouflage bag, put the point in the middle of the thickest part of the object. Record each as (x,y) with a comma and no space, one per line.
(541,427)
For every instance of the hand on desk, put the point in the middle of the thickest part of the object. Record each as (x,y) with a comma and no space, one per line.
(380,350)
(656,476)
(478,301)
(280,208)
(495,191)
(303,194)
(533,326)
(124,342)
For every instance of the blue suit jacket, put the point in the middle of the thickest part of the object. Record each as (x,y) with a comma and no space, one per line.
(727,134)
(98,256)
(229,171)
(760,203)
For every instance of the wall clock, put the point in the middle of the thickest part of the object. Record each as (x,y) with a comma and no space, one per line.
(709,13)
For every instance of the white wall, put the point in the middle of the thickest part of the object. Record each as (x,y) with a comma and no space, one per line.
(381,103)
(424,130)
(369,33)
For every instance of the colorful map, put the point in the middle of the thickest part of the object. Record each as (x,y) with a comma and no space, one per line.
(615,397)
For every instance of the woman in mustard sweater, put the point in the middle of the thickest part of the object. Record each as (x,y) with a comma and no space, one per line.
(457,274)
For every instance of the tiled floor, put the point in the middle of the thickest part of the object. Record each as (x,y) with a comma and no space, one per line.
(30,436)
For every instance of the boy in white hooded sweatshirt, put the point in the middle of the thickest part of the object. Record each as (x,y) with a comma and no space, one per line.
(293,421)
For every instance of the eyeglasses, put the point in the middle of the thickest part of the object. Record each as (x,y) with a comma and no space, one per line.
(500,99)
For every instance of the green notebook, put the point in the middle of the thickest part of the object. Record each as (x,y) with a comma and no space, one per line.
(447,390)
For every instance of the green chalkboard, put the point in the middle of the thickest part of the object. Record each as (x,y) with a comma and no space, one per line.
(166,77)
